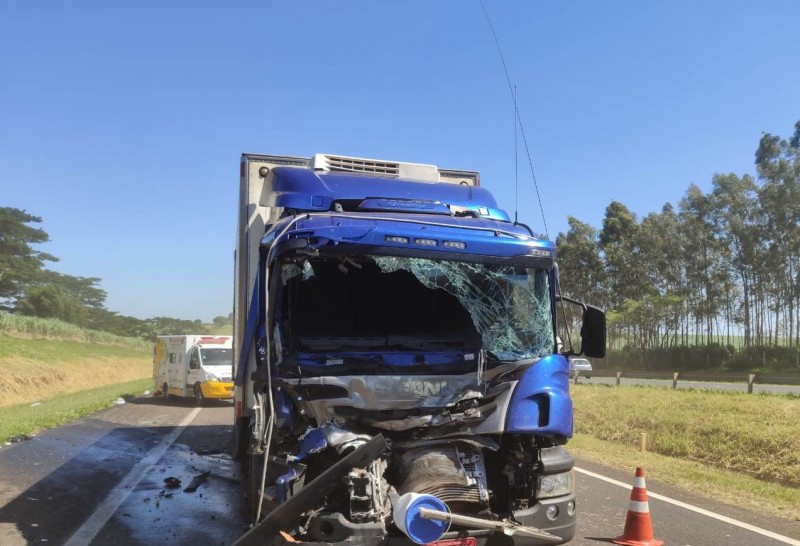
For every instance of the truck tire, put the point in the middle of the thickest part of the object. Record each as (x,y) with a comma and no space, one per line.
(199,399)
(256,467)
(165,390)
(241,438)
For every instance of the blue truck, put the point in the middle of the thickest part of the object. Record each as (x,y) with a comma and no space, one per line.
(397,373)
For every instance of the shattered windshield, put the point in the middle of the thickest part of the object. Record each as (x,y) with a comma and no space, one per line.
(510,306)
(394,304)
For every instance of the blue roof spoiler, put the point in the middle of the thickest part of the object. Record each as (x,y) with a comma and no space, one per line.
(306,190)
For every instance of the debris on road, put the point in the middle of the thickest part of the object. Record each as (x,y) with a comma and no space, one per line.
(172,482)
(197,481)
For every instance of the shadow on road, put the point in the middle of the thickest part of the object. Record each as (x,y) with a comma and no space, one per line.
(54,507)
(176,401)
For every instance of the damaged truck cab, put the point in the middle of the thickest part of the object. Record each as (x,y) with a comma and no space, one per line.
(397,378)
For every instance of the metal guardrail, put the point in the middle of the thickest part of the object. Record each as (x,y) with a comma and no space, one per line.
(725,377)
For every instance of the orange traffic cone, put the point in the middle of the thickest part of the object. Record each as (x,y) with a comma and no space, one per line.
(638,530)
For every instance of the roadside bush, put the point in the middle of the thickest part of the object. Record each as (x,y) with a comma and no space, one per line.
(35,327)
(680,358)
(703,357)
(765,359)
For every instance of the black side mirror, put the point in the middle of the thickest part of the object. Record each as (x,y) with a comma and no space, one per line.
(593,332)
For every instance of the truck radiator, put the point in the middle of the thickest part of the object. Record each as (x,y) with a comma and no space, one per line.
(455,474)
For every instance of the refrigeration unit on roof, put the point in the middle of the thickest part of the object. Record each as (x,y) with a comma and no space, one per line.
(392,169)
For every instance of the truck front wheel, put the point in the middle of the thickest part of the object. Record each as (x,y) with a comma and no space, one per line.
(241,438)
(199,399)
(254,474)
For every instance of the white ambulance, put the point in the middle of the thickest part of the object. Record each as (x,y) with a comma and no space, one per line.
(196,366)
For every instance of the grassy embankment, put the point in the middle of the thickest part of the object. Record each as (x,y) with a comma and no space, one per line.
(738,448)
(70,372)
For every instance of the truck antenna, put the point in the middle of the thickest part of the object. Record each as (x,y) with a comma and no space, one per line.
(516,161)
(518,118)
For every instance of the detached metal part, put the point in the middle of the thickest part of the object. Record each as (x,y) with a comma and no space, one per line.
(506,527)
(285,514)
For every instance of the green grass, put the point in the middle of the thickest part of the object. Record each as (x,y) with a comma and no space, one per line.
(25,419)
(34,369)
(62,350)
(723,485)
(734,447)
(755,435)
(55,329)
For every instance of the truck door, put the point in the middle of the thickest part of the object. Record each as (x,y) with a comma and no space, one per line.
(194,367)
(174,378)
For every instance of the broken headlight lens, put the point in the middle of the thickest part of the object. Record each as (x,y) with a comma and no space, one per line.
(555,485)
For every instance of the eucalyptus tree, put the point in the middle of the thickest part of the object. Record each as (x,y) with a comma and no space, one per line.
(625,271)
(738,222)
(778,165)
(662,256)
(706,275)
(619,243)
(582,272)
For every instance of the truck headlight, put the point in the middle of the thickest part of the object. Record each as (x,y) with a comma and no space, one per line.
(211,377)
(555,485)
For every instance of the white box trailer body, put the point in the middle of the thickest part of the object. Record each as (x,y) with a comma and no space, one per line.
(196,366)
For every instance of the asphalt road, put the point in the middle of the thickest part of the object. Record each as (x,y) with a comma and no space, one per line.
(100,481)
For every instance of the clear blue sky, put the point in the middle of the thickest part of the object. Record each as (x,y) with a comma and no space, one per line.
(121,123)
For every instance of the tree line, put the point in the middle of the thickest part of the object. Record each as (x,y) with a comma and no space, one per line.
(721,270)
(27,287)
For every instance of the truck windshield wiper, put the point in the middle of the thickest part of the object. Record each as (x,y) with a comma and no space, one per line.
(347,365)
(425,344)
(409,342)
(326,343)
(393,341)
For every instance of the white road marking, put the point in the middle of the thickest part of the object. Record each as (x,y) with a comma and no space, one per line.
(124,488)
(697,509)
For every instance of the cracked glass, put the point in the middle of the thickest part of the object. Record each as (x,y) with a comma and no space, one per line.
(510,306)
